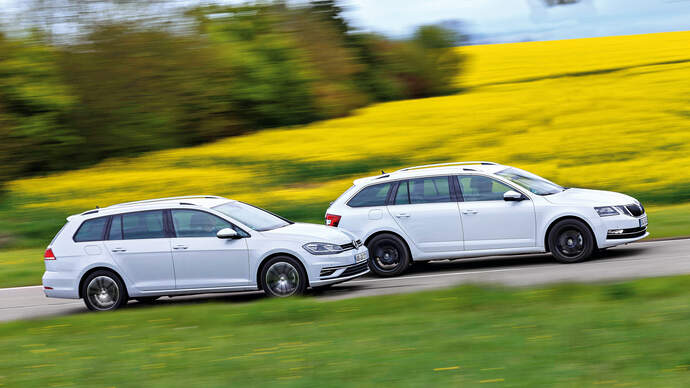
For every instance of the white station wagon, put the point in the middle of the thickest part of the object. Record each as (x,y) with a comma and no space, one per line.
(191,245)
(470,209)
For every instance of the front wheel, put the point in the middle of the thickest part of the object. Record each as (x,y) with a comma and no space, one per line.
(571,241)
(283,276)
(103,291)
(388,255)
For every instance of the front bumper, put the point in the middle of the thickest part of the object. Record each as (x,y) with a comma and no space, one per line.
(330,274)
(622,229)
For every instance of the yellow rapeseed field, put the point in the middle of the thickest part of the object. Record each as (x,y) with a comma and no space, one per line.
(610,113)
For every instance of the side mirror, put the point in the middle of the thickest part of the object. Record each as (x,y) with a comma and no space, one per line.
(227,233)
(512,195)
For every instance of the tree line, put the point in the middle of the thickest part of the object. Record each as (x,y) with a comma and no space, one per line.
(124,87)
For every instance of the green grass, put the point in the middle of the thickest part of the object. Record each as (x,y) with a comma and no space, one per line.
(633,333)
(24,267)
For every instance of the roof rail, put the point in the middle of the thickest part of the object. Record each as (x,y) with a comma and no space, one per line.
(448,164)
(163,199)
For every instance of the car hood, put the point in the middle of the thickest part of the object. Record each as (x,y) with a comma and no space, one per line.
(590,197)
(311,233)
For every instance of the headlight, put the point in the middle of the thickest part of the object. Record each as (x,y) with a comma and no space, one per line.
(606,211)
(319,248)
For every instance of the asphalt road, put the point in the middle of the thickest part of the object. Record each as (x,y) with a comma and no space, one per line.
(646,259)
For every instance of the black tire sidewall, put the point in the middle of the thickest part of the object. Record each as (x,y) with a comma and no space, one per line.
(303,280)
(402,253)
(122,300)
(588,238)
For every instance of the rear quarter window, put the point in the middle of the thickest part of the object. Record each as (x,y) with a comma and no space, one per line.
(91,230)
(374,195)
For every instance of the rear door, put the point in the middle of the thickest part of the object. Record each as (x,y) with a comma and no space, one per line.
(490,222)
(201,259)
(426,211)
(139,244)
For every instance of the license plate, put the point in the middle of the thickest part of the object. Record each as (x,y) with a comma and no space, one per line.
(643,221)
(361,256)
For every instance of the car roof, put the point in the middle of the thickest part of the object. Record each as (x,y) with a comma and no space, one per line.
(204,201)
(431,170)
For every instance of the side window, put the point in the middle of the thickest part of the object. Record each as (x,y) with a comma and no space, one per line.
(371,196)
(402,197)
(115,228)
(91,230)
(481,188)
(429,190)
(148,224)
(193,223)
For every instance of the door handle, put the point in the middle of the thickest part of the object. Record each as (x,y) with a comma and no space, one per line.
(403,215)
(469,212)
(119,250)
(180,247)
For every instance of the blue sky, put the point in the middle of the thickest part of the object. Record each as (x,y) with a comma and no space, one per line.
(517,20)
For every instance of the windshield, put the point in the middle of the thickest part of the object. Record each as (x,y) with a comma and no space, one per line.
(254,217)
(531,182)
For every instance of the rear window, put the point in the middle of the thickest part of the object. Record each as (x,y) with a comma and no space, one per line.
(91,230)
(371,196)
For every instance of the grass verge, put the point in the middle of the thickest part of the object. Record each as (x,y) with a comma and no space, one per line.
(632,334)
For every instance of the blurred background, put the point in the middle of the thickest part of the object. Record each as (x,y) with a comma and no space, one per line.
(282,104)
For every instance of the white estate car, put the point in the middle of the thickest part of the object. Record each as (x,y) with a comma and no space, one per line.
(190,245)
(470,209)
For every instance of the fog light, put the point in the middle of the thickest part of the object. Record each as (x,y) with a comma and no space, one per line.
(328,271)
(615,231)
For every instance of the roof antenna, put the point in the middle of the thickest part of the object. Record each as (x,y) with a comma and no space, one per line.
(98,207)
(382,172)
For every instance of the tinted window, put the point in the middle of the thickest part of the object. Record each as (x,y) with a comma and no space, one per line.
(193,223)
(481,188)
(143,225)
(371,196)
(91,230)
(429,190)
(402,197)
(115,228)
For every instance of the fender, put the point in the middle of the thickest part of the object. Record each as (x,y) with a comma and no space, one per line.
(253,272)
(541,235)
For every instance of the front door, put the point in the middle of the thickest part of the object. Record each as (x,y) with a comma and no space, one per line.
(203,260)
(490,222)
(424,209)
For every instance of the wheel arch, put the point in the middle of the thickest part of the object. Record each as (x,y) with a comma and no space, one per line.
(567,217)
(380,232)
(100,268)
(263,262)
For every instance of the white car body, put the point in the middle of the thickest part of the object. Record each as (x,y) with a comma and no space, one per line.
(456,228)
(189,265)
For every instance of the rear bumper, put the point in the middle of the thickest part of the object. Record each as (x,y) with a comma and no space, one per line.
(58,285)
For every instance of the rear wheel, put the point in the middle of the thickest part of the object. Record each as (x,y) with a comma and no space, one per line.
(102,290)
(283,276)
(571,241)
(388,255)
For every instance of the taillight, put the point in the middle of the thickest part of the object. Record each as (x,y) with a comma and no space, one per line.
(49,255)
(332,220)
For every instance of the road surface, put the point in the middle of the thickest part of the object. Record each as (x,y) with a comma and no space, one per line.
(645,259)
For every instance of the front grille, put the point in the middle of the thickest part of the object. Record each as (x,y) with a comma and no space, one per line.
(628,233)
(351,245)
(355,269)
(635,209)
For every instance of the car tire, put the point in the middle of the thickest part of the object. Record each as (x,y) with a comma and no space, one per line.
(571,241)
(103,290)
(147,299)
(388,255)
(283,276)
